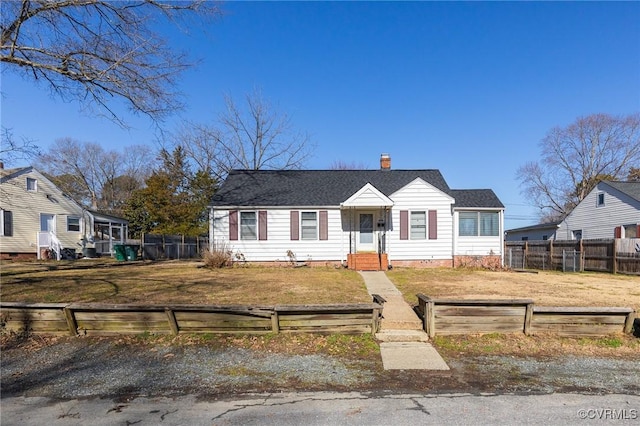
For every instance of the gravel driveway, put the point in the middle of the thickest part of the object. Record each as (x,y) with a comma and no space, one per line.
(88,368)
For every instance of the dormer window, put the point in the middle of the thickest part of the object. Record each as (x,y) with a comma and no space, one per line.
(600,200)
(32,184)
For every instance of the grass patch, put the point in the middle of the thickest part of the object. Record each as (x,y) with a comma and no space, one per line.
(177,282)
(519,345)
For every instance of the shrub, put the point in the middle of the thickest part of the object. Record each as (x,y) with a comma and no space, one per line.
(221,256)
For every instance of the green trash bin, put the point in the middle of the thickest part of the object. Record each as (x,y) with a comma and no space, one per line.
(119,252)
(131,252)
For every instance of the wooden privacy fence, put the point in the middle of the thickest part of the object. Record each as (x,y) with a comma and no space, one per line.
(458,316)
(104,319)
(602,255)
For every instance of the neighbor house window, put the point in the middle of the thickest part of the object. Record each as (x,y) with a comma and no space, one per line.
(418,225)
(248,226)
(6,223)
(73,224)
(631,231)
(600,200)
(474,224)
(32,184)
(309,225)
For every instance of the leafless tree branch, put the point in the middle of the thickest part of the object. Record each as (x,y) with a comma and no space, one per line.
(94,51)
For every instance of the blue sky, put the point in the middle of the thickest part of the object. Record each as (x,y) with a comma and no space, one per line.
(469,88)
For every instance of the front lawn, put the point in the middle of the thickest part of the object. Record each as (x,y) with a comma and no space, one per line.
(546,288)
(177,282)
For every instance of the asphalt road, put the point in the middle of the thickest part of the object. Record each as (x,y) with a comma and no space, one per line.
(329,408)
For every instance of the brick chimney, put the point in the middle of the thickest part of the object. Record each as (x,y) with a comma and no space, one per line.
(385,162)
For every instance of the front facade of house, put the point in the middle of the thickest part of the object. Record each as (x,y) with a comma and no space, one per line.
(610,210)
(365,219)
(37,220)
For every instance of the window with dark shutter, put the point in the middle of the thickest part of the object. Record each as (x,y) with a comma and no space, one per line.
(404,224)
(233,225)
(262,225)
(295,225)
(433,225)
(324,225)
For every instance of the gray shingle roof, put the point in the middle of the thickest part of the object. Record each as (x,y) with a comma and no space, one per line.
(330,187)
(476,198)
(632,189)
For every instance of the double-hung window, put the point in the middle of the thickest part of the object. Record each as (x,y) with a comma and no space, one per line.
(419,225)
(32,184)
(309,225)
(73,224)
(248,226)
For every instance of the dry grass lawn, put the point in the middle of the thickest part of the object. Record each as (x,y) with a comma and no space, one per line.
(175,282)
(546,288)
(109,281)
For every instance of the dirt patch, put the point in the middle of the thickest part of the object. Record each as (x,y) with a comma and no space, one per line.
(546,288)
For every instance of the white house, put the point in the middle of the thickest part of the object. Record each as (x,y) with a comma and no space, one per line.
(38,220)
(610,210)
(366,219)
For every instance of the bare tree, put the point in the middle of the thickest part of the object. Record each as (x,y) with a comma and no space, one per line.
(12,149)
(94,177)
(255,137)
(95,50)
(344,165)
(575,158)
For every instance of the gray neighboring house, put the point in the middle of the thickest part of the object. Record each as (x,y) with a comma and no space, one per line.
(364,219)
(541,231)
(610,210)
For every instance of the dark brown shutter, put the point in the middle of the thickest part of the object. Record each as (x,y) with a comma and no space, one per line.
(637,230)
(262,225)
(8,223)
(324,225)
(295,225)
(617,233)
(404,224)
(433,225)
(233,225)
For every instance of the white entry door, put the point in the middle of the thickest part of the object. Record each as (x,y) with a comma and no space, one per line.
(365,233)
(47,222)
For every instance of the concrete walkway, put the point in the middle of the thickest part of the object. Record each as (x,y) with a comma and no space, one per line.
(404,344)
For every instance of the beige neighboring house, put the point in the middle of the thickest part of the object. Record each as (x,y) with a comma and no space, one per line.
(37,220)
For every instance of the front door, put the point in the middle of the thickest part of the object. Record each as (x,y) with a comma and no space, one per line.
(365,233)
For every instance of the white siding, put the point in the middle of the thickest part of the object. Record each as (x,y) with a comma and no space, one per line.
(26,207)
(420,196)
(600,222)
(478,246)
(279,242)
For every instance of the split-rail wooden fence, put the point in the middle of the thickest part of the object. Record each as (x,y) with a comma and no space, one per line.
(459,316)
(104,319)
